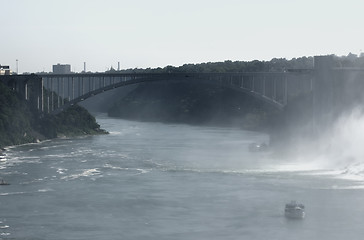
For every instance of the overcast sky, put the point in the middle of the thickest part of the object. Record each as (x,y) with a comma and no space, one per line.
(157,33)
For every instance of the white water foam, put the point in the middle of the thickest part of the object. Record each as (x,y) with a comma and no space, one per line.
(58,155)
(142,171)
(113,167)
(85,173)
(339,152)
(345,150)
(11,193)
(139,170)
(62,170)
(45,190)
(115,133)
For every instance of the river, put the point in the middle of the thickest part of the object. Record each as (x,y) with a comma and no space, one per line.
(170,181)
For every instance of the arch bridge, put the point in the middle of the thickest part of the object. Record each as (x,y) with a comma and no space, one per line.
(275,88)
(330,86)
(331,89)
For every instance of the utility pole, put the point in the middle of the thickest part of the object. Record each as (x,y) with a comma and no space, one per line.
(17,67)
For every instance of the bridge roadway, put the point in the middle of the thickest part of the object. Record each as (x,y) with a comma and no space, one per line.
(64,90)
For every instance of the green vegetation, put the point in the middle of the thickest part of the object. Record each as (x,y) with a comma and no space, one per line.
(20,124)
(74,121)
(15,120)
(274,65)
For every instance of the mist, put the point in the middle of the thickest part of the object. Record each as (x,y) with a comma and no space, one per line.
(338,150)
(341,147)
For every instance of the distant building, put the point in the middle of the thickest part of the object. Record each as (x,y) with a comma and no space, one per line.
(5,70)
(61,68)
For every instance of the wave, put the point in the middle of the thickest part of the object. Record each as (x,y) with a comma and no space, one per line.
(85,173)
(12,193)
(109,154)
(138,170)
(45,190)
(16,160)
(356,168)
(354,172)
(35,181)
(355,187)
(142,171)
(21,145)
(212,170)
(278,170)
(58,155)
(62,170)
(115,133)
(113,167)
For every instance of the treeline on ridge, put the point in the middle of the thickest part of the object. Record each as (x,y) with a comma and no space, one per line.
(274,65)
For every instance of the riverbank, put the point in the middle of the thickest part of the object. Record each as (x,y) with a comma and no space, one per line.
(75,121)
(20,124)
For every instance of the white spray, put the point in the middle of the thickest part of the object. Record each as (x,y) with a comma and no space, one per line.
(342,148)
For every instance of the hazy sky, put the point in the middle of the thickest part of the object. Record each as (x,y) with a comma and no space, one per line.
(157,33)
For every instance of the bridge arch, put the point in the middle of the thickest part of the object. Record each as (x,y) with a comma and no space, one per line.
(68,89)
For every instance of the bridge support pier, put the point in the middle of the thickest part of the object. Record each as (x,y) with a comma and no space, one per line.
(323,92)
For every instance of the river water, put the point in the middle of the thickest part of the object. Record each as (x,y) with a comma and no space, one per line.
(168,181)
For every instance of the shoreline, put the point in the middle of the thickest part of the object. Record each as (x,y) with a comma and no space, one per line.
(38,141)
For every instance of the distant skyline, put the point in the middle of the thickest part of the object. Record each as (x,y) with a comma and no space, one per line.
(144,33)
